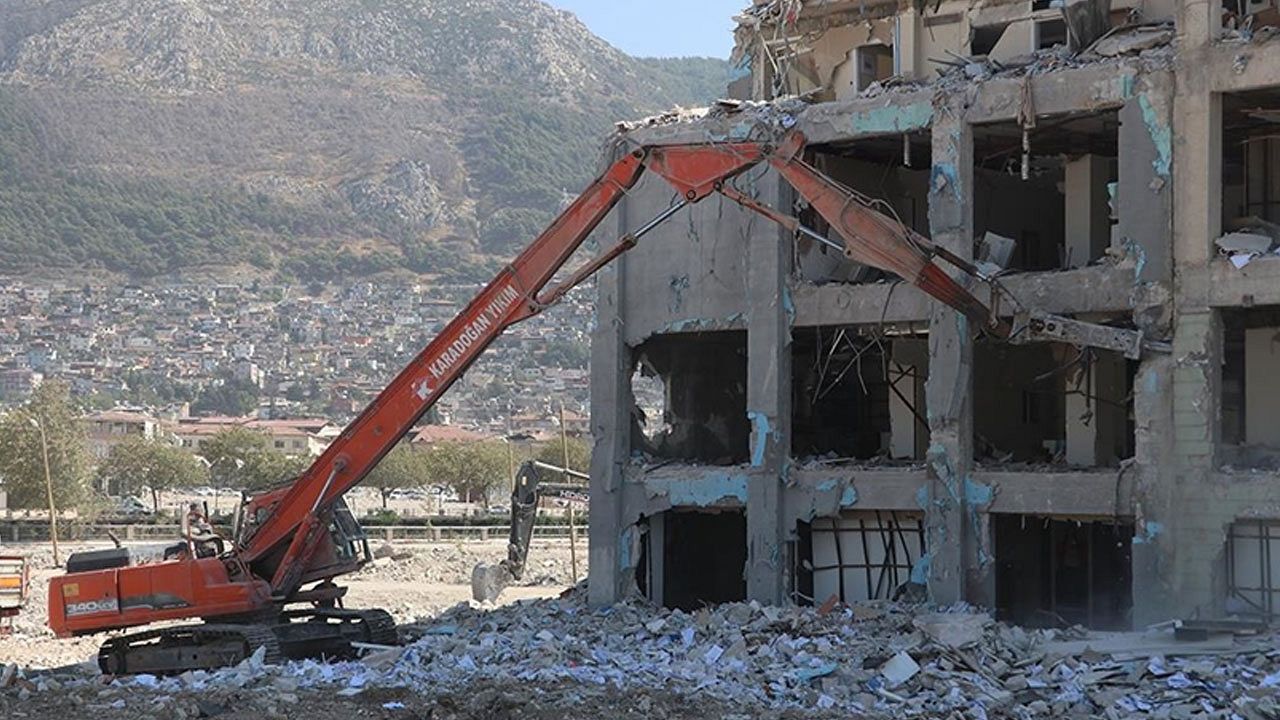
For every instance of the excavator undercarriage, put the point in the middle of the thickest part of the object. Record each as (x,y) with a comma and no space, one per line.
(296,634)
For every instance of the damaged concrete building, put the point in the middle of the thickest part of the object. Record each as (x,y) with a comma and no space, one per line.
(775,422)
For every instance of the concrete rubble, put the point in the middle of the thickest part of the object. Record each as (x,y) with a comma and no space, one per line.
(875,659)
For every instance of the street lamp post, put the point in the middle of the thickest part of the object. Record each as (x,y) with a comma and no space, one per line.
(48,486)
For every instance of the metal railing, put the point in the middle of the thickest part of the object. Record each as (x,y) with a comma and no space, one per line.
(33,532)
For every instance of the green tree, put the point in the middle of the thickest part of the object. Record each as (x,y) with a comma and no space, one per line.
(472,470)
(403,468)
(138,462)
(243,459)
(552,453)
(228,397)
(22,457)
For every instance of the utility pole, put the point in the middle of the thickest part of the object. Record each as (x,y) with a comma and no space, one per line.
(573,530)
(48,486)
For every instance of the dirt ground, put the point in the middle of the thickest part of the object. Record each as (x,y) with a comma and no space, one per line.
(480,700)
(432,578)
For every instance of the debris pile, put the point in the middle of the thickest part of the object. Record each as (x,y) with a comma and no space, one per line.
(876,660)
(1248,238)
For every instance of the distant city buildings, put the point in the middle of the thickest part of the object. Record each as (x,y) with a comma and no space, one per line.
(156,358)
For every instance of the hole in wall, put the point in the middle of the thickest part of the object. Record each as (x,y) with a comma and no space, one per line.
(1052,403)
(1058,572)
(1251,169)
(704,558)
(857,555)
(892,173)
(858,394)
(1250,403)
(1253,568)
(1051,204)
(701,413)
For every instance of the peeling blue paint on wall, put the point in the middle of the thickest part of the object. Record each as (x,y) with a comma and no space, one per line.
(624,548)
(1139,254)
(893,119)
(978,495)
(941,463)
(742,69)
(707,490)
(1161,136)
(827,485)
(922,497)
(679,283)
(849,497)
(920,571)
(788,305)
(975,493)
(943,176)
(1150,531)
(1150,380)
(759,436)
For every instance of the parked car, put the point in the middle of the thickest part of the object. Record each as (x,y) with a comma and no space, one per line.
(131,507)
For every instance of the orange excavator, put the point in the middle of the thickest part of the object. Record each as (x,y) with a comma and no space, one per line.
(273,589)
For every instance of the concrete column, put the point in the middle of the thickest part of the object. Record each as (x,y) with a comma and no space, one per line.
(949,389)
(1198,189)
(611,433)
(1153,599)
(1199,23)
(906,48)
(1144,218)
(768,396)
(1197,387)
(1088,209)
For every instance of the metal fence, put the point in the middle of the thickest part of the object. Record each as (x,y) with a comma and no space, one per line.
(33,532)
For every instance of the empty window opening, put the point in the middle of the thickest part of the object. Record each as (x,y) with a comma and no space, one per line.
(1241,18)
(892,174)
(702,413)
(858,394)
(984,38)
(1053,403)
(863,555)
(1054,572)
(1253,568)
(1250,172)
(704,558)
(1251,388)
(1050,33)
(1045,201)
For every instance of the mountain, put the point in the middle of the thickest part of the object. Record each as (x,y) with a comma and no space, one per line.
(313,138)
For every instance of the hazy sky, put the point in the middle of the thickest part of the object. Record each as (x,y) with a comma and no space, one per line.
(661,28)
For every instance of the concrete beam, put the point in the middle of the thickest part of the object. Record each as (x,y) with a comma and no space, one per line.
(1094,289)
(1100,86)
(1093,494)
(1093,88)
(872,488)
(1223,285)
(1231,67)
